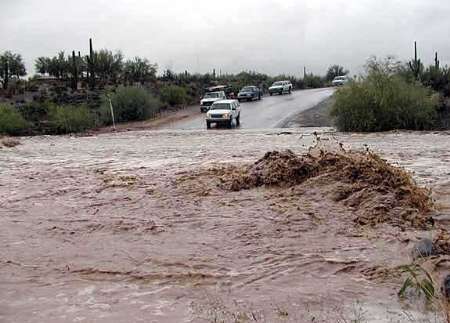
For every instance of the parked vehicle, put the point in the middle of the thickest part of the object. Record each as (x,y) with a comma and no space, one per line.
(209,98)
(280,87)
(229,92)
(223,112)
(340,80)
(249,93)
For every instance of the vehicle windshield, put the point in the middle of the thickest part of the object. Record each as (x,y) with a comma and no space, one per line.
(340,78)
(277,83)
(221,106)
(212,95)
(247,89)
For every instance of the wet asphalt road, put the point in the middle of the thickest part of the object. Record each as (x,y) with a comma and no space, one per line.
(270,112)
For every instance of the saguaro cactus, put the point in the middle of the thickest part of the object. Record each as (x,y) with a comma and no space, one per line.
(91,65)
(436,62)
(5,74)
(74,71)
(416,66)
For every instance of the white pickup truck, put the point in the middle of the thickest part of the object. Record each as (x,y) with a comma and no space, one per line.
(209,98)
(224,112)
(280,87)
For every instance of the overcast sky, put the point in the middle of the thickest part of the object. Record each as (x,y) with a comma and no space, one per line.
(271,36)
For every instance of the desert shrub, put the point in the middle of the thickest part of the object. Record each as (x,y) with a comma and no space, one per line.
(36,111)
(68,119)
(174,95)
(313,81)
(129,104)
(438,79)
(383,101)
(11,121)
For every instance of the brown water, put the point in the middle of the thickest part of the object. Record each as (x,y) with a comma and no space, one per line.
(115,228)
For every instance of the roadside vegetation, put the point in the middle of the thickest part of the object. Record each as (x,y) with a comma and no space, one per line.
(69,119)
(174,95)
(393,95)
(11,121)
(130,104)
(72,92)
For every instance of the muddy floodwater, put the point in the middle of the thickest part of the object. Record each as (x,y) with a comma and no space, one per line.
(118,228)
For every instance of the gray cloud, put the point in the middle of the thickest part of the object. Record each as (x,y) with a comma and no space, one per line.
(265,35)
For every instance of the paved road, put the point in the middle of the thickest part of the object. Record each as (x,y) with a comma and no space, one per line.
(270,112)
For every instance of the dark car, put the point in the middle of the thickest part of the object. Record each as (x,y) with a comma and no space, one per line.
(249,93)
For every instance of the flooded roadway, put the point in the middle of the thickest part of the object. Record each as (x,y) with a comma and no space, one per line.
(100,229)
(270,112)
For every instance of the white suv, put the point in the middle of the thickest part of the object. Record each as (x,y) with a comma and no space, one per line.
(209,98)
(340,80)
(224,112)
(280,87)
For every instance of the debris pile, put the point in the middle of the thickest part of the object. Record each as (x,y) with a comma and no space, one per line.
(9,142)
(441,242)
(377,191)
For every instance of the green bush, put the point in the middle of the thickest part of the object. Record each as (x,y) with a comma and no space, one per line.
(69,119)
(313,81)
(11,121)
(384,101)
(35,112)
(129,104)
(174,95)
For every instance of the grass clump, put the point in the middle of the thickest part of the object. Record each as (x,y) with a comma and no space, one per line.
(419,280)
(11,121)
(130,104)
(384,101)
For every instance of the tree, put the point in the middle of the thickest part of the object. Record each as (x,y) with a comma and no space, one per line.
(139,70)
(11,66)
(334,71)
(169,75)
(58,66)
(42,65)
(108,66)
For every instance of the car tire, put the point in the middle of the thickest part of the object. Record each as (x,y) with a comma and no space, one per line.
(281,92)
(208,125)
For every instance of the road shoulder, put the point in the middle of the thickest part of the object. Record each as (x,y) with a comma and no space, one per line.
(317,116)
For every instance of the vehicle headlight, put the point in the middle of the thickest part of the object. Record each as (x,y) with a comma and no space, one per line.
(226,115)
